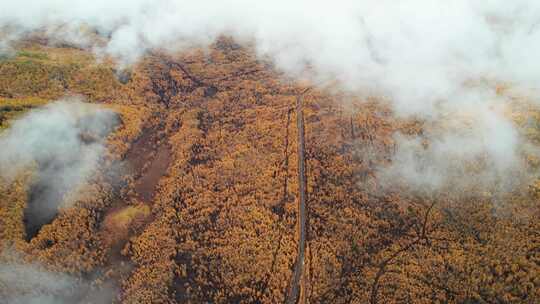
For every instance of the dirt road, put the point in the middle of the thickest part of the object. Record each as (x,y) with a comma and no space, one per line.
(296,283)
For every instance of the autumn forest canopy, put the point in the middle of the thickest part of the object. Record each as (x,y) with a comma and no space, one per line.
(289,152)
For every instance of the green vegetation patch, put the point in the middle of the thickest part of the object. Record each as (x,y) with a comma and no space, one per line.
(51,73)
(33,55)
(124,217)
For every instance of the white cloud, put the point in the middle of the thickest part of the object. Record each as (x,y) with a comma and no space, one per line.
(420,54)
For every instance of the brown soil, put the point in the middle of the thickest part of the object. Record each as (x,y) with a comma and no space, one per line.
(146,185)
(147,165)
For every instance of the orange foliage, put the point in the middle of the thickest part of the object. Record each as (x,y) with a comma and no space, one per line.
(208,143)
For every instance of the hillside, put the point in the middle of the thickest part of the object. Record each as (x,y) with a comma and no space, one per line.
(196,199)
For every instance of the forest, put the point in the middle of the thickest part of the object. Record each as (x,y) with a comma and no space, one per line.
(196,198)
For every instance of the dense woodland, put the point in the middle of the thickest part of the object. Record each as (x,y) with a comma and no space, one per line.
(204,209)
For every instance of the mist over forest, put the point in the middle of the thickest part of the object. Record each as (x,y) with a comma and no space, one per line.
(280,152)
